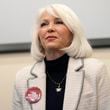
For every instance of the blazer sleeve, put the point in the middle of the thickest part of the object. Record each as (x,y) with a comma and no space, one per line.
(17,103)
(103,86)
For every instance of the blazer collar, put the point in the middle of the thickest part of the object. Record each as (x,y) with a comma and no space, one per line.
(38,69)
(74,84)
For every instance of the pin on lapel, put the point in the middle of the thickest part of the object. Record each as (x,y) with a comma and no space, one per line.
(33,95)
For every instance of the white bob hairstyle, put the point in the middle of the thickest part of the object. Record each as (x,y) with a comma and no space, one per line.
(79,48)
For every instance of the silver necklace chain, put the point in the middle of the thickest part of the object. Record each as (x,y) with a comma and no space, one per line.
(58,88)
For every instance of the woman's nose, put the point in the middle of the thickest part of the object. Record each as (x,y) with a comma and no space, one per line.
(51,28)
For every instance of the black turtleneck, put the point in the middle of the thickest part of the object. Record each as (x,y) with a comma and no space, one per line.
(57,69)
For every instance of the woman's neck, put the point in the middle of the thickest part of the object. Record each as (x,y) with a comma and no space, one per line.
(52,55)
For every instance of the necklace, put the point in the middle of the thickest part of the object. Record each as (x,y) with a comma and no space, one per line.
(58,88)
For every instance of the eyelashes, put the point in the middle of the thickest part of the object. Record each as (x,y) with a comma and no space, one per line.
(43,24)
(59,22)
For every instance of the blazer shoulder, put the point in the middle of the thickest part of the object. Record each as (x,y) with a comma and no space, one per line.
(23,72)
(93,62)
(94,66)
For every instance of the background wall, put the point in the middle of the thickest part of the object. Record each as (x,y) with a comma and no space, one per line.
(13,62)
(18,16)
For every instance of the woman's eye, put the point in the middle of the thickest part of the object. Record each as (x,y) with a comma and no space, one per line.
(43,24)
(59,22)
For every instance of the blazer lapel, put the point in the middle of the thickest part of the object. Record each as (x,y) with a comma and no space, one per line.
(74,84)
(38,79)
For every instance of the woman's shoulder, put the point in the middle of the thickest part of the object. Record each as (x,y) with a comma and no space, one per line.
(93,61)
(89,64)
(94,66)
(23,73)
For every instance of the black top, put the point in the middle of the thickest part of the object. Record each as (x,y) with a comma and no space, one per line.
(57,69)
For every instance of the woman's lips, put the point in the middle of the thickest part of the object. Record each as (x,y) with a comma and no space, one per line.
(51,37)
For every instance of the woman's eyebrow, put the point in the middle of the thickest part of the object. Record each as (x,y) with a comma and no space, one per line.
(58,18)
(43,20)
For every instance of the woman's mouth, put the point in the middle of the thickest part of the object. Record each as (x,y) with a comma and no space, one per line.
(51,38)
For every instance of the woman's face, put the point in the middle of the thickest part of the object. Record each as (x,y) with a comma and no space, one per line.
(53,33)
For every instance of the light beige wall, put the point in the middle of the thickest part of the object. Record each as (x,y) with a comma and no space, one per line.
(12,62)
(9,65)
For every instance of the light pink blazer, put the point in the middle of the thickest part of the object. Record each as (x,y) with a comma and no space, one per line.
(87,86)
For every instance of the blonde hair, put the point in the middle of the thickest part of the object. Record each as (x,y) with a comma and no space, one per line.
(79,48)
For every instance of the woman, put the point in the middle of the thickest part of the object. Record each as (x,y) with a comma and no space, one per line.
(63,77)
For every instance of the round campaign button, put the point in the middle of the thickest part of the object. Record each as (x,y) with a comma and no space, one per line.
(33,95)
